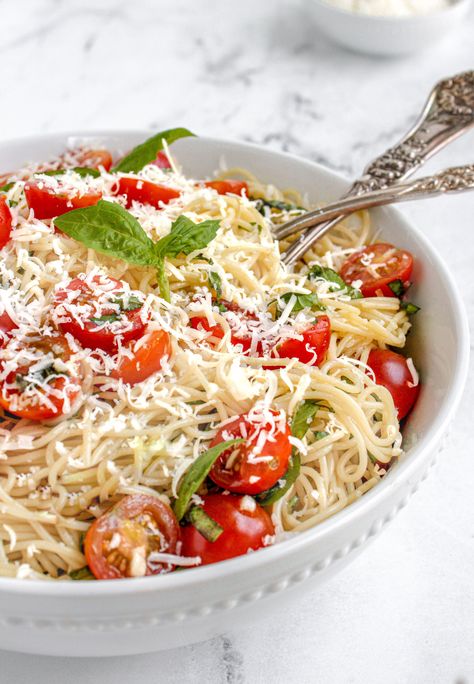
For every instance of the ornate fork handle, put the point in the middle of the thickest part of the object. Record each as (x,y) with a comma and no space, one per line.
(456,179)
(449,112)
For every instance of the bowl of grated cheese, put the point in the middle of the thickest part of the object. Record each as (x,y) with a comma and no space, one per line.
(389,27)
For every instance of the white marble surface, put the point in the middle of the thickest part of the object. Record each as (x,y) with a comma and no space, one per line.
(404,611)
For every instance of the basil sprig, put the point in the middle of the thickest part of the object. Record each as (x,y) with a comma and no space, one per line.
(145,153)
(331,276)
(110,229)
(197,473)
(299,427)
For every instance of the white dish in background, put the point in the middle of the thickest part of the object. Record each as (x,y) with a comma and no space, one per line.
(382,35)
(153,613)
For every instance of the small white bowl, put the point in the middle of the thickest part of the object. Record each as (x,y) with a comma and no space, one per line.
(381,35)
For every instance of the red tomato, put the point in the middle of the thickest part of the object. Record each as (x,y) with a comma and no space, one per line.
(44,394)
(241,469)
(391,371)
(377,266)
(161,161)
(312,348)
(228,187)
(148,355)
(121,542)
(244,527)
(5,222)
(97,317)
(6,323)
(47,204)
(237,338)
(96,158)
(138,190)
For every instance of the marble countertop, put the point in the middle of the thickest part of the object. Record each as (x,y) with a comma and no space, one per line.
(404,610)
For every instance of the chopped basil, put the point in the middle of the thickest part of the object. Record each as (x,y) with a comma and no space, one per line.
(303,417)
(128,304)
(321,434)
(82,574)
(145,153)
(331,276)
(215,283)
(283,485)
(205,525)
(302,301)
(106,318)
(280,205)
(197,473)
(410,308)
(7,187)
(397,288)
(293,503)
(82,171)
(43,375)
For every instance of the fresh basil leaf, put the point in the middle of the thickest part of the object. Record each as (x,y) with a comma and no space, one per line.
(82,574)
(133,302)
(303,416)
(7,187)
(303,301)
(186,236)
(145,153)
(163,282)
(82,171)
(331,276)
(397,288)
(110,229)
(215,282)
(205,525)
(282,486)
(197,473)
(410,308)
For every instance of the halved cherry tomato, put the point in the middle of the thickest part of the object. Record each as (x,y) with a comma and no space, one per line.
(5,222)
(377,266)
(100,315)
(148,355)
(312,348)
(138,190)
(47,204)
(161,161)
(227,187)
(246,526)
(122,541)
(242,336)
(391,371)
(6,323)
(39,394)
(258,463)
(96,158)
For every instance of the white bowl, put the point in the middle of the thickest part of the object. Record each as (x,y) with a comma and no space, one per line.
(388,35)
(139,615)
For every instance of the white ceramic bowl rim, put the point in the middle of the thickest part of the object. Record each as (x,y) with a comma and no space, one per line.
(271,554)
(453,7)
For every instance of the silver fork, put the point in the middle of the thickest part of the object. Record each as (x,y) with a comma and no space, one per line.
(452,180)
(448,112)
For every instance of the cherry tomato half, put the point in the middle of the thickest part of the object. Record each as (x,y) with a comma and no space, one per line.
(138,190)
(241,323)
(161,161)
(377,266)
(228,187)
(39,394)
(246,526)
(95,159)
(258,463)
(5,222)
(312,348)
(47,204)
(148,355)
(391,371)
(121,542)
(100,314)
(6,323)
